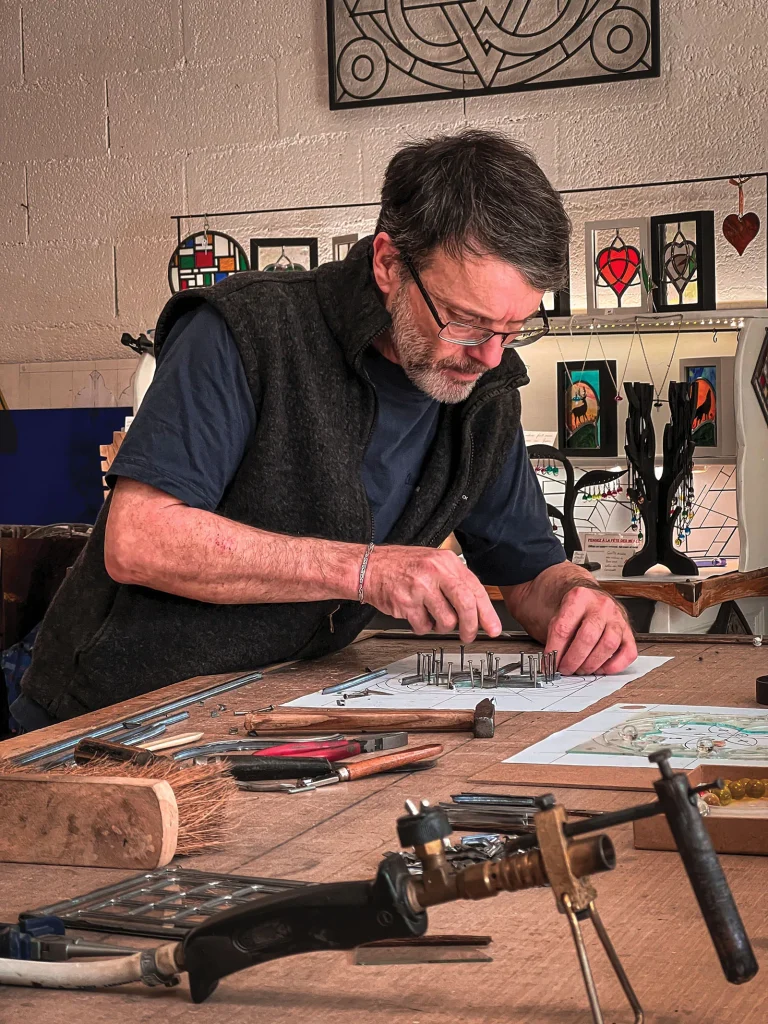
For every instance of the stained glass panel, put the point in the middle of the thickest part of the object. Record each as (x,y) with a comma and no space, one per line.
(205,259)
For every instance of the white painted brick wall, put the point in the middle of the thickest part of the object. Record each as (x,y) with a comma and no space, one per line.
(116,115)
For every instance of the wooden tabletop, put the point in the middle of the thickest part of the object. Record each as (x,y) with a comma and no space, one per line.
(692,595)
(341,833)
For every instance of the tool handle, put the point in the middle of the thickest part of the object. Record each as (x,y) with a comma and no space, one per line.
(171,742)
(309,720)
(92,750)
(374,765)
(710,886)
(334,751)
(254,769)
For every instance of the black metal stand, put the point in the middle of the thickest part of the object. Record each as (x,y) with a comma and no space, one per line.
(654,497)
(595,478)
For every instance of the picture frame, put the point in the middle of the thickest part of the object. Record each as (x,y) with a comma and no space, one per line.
(760,378)
(286,254)
(437,51)
(587,411)
(683,261)
(714,418)
(616,253)
(559,303)
(340,246)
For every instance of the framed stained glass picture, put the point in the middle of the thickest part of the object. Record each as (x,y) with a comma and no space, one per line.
(559,303)
(760,378)
(402,51)
(271,254)
(683,261)
(586,409)
(713,422)
(205,259)
(618,266)
(340,246)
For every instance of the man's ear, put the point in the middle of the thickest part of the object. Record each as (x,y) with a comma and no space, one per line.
(386,264)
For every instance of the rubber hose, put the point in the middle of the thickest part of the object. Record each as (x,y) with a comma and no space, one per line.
(100,974)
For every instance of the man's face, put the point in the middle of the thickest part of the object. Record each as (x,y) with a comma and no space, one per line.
(483,291)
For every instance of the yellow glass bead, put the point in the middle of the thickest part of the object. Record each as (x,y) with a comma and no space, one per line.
(723,795)
(737,790)
(756,788)
(711,798)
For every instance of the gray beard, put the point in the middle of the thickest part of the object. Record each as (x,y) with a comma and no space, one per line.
(415,353)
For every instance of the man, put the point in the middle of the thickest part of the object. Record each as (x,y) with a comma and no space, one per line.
(310,439)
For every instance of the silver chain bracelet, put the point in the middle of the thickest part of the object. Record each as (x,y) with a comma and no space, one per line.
(363,569)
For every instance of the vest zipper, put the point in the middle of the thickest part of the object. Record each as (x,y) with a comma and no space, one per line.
(330,618)
(463,497)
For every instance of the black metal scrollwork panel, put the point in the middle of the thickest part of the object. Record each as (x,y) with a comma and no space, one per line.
(396,51)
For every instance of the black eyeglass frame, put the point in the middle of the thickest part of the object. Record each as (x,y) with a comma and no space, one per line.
(522,337)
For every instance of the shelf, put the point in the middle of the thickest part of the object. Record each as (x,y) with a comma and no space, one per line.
(666,323)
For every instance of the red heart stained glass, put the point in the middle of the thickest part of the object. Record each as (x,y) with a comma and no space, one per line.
(618,265)
(741,230)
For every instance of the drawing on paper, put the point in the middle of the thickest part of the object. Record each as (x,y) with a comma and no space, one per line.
(399,690)
(722,737)
(624,735)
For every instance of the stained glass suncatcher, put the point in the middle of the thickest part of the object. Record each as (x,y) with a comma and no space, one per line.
(396,51)
(683,261)
(205,259)
(618,265)
(703,383)
(586,406)
(760,378)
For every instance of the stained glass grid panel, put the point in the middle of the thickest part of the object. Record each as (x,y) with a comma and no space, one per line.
(204,259)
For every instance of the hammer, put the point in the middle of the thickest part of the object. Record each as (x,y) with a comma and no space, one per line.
(479,722)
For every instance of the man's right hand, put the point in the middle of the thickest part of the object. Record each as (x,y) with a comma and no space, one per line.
(431,588)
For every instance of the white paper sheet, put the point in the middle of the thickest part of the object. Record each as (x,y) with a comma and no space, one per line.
(571,693)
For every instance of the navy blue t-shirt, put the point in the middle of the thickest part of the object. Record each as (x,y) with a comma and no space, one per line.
(197,418)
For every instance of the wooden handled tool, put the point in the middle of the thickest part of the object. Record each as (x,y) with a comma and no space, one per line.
(479,721)
(353,770)
(95,822)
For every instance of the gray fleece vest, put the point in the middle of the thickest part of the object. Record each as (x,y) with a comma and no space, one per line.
(301,337)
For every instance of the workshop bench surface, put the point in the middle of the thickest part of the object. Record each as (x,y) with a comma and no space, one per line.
(340,832)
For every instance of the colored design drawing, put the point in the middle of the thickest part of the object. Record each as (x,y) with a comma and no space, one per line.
(703,382)
(205,259)
(718,737)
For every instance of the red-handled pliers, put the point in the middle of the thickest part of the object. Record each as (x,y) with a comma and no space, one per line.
(337,750)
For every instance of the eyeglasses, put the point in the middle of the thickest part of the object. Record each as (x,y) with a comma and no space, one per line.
(471,334)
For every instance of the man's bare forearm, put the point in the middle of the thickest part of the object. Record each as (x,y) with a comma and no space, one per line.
(168,546)
(534,604)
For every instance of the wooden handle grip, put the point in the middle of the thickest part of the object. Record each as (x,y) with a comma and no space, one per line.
(296,720)
(374,765)
(88,750)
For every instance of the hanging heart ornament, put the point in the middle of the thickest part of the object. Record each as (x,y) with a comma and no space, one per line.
(741,230)
(618,265)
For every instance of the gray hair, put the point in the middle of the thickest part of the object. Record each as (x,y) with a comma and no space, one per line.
(476,193)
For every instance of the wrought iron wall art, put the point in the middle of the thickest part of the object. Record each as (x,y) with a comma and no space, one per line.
(713,418)
(340,246)
(399,51)
(586,408)
(597,479)
(661,506)
(618,265)
(204,259)
(284,253)
(683,261)
(760,378)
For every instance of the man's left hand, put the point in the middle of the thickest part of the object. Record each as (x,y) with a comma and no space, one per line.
(591,634)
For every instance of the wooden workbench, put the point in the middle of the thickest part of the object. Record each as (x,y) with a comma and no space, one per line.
(342,831)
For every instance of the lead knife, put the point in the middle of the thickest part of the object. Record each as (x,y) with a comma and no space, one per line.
(351,771)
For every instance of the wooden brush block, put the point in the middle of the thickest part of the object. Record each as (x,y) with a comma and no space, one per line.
(107,822)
